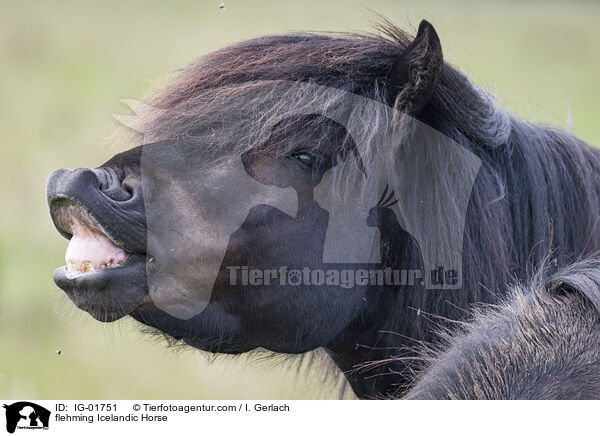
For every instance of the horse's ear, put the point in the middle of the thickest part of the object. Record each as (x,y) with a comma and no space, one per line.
(416,73)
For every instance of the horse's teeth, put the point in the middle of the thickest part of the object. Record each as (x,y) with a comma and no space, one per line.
(86,267)
(89,251)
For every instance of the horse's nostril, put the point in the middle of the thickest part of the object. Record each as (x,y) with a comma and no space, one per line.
(118,194)
(115,186)
(128,188)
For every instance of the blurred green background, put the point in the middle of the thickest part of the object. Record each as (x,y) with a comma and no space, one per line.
(64,66)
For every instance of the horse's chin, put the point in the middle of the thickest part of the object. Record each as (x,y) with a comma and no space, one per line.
(107,294)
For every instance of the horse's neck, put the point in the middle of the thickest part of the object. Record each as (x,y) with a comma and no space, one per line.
(555,198)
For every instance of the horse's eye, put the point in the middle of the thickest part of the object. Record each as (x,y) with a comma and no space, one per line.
(305,158)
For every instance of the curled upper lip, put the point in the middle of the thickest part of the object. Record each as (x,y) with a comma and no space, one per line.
(123,222)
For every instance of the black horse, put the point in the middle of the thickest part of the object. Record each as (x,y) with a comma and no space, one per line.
(535,197)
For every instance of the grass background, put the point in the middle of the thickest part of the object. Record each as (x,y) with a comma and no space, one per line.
(65,65)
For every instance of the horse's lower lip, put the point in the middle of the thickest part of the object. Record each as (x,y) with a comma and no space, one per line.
(109,293)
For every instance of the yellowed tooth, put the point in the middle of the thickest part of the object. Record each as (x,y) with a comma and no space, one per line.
(72,266)
(86,266)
